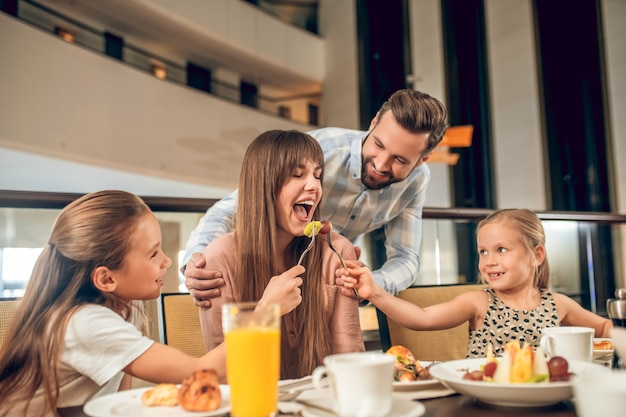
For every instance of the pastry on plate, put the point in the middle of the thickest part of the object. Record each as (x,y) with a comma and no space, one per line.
(200,391)
(161,395)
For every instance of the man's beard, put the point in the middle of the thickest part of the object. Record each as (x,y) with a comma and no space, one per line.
(369,182)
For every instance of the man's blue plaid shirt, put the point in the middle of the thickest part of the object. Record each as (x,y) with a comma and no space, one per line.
(352,208)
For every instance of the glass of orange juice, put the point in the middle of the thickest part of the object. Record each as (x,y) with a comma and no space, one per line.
(252,335)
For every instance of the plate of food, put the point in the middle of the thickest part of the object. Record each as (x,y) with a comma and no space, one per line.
(603,350)
(410,374)
(543,385)
(199,397)
(415,385)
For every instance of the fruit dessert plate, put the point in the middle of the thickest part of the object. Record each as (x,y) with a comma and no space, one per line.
(531,394)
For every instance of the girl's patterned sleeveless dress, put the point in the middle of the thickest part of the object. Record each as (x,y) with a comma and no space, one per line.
(503,324)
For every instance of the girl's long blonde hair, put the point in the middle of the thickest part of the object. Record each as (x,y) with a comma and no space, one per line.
(92,231)
(531,233)
(269,161)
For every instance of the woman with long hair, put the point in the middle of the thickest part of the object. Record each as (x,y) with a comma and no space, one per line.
(280,189)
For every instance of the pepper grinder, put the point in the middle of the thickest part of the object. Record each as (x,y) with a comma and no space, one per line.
(616,309)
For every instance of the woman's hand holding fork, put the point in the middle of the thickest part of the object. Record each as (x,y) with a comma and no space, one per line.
(284,289)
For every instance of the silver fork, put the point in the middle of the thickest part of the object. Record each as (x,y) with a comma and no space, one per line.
(343,264)
(289,395)
(308,248)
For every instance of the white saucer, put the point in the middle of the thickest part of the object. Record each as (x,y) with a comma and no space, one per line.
(399,408)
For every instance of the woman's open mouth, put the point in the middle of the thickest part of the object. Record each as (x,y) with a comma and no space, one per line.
(303,210)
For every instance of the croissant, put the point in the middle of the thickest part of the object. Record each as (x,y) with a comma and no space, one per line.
(161,395)
(200,391)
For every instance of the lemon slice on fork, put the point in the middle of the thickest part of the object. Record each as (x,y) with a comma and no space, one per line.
(313,228)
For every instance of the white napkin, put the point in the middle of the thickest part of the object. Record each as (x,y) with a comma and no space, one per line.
(618,335)
(289,408)
(305,383)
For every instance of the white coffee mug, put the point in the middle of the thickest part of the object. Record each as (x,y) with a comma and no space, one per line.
(361,383)
(571,342)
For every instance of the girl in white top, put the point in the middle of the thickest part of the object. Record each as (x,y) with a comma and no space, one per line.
(78,330)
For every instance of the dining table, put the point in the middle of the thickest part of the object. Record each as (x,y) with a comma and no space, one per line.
(442,402)
(436,398)
(451,405)
(454,405)
(458,405)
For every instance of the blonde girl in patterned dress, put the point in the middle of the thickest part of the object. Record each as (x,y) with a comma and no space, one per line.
(517,305)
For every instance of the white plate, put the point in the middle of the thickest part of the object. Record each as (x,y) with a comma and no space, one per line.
(415,385)
(603,357)
(509,395)
(128,403)
(399,408)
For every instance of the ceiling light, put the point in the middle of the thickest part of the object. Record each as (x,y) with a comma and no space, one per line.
(64,34)
(159,71)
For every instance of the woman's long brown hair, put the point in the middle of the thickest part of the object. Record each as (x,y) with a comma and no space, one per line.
(92,231)
(269,161)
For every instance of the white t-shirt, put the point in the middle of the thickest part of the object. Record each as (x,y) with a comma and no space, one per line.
(99,344)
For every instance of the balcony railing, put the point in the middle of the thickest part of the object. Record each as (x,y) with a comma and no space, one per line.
(584,249)
(82,35)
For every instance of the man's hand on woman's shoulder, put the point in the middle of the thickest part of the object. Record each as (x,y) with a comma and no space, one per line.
(202,284)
